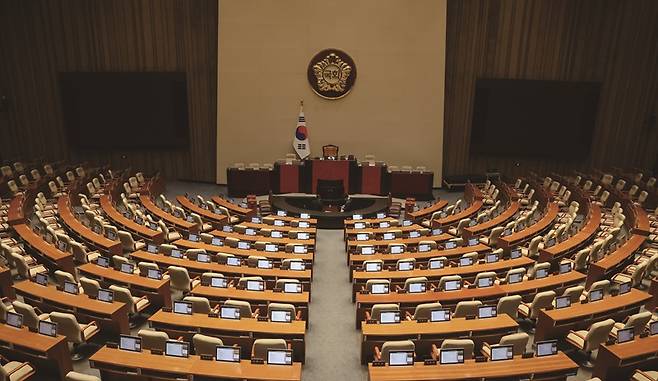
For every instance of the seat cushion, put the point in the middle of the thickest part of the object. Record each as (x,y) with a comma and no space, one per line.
(21,373)
(89,331)
(524,309)
(577,339)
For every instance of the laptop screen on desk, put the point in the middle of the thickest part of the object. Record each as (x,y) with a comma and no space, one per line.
(565,267)
(436,231)
(233,261)
(227,228)
(367,250)
(653,328)
(424,247)
(130,343)
(255,285)
(226,312)
(176,253)
(541,273)
(216,241)
(486,312)
(436,264)
(227,354)
(625,335)
(472,241)
(184,308)
(103,261)
(389,236)
(292,288)
(362,237)
(515,253)
(485,282)
(502,352)
(405,266)
(250,231)
(279,223)
(304,215)
(357,217)
(381,215)
(406,223)
(243,245)
(452,356)
(389,317)
(264,264)
(491,258)
(255,220)
(14,319)
(624,288)
(151,248)
(442,314)
(450,245)
(376,266)
(303,224)
(154,274)
(297,266)
(397,358)
(384,224)
(47,328)
(41,278)
(414,234)
(515,278)
(204,258)
(192,237)
(546,348)
(299,249)
(276,234)
(270,247)
(177,348)
(105,295)
(279,357)
(397,249)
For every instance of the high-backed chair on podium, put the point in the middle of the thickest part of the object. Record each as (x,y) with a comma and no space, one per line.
(330,151)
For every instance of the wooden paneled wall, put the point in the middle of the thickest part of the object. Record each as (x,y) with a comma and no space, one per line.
(612,41)
(40,38)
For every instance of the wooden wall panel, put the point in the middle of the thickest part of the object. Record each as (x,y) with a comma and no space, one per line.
(40,38)
(612,41)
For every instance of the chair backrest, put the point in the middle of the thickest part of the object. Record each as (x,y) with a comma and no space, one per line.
(580,261)
(30,318)
(409,281)
(118,260)
(153,339)
(537,267)
(638,321)
(371,282)
(127,242)
(518,340)
(574,293)
(90,286)
(75,376)
(261,346)
(78,252)
(282,307)
(68,326)
(122,294)
(533,249)
(402,345)
(21,265)
(200,305)
(424,310)
(447,278)
(602,285)
(206,277)
(205,345)
(377,309)
(244,306)
(542,300)
(179,279)
(598,334)
(521,271)
(466,344)
(467,308)
(61,276)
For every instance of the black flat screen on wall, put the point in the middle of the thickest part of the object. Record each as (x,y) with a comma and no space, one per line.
(529,118)
(128,110)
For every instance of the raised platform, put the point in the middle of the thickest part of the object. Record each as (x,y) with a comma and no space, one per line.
(329,214)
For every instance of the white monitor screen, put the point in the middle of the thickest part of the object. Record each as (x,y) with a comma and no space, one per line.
(218,282)
(216,241)
(151,248)
(424,247)
(440,315)
(299,249)
(417,287)
(562,302)
(41,278)
(270,247)
(491,258)
(502,352)
(373,266)
(379,288)
(515,253)
(550,242)
(436,264)
(70,287)
(595,295)
(357,217)
(127,268)
(227,354)
(405,265)
(546,348)
(264,264)
(61,245)
(250,231)
(414,234)
(279,223)
(450,245)
(472,223)
(303,224)
(452,356)
(486,312)
(367,250)
(154,274)
(565,267)
(485,282)
(515,278)
(506,232)
(130,343)
(233,261)
(105,295)
(243,245)
(472,242)
(297,266)
(389,236)
(452,285)
(625,335)
(229,312)
(406,223)
(279,357)
(255,285)
(192,237)
(281,213)
(381,215)
(176,253)
(14,319)
(384,224)
(397,249)
(362,237)
(465,261)
(280,316)
(184,308)
(653,328)
(201,257)
(176,349)
(304,215)
(624,288)
(227,228)
(47,328)
(276,234)
(396,358)
(541,273)
(292,288)
(255,220)
(436,231)
(389,317)
(103,261)
(303,236)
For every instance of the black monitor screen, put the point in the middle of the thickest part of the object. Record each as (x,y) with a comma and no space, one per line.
(530,118)
(128,110)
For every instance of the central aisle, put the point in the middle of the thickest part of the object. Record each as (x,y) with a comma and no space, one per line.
(332,341)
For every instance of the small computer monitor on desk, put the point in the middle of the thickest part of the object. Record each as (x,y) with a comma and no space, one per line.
(653,328)
(177,348)
(441,314)
(105,295)
(292,288)
(595,295)
(41,278)
(218,282)
(379,288)
(451,356)
(14,319)
(485,312)
(452,285)
(71,287)
(502,352)
(184,308)
(485,282)
(280,316)
(47,328)
(625,335)
(226,312)
(562,302)
(417,287)
(255,285)
(400,358)
(546,348)
(130,343)
(227,353)
(154,274)
(279,357)
(389,317)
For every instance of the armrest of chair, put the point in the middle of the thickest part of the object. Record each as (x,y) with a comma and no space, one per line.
(408,315)
(216,308)
(377,353)
(23,365)
(298,315)
(256,313)
(368,315)
(435,352)
(398,288)
(644,374)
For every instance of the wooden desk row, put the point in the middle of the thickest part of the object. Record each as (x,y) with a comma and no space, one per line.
(84,233)
(520,237)
(561,250)
(51,255)
(234,208)
(383,244)
(616,260)
(355,260)
(128,224)
(276,256)
(178,223)
(427,212)
(217,220)
(310,243)
(470,211)
(500,220)
(619,361)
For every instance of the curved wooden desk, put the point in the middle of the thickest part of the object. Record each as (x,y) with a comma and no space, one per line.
(427,212)
(179,223)
(84,233)
(499,220)
(133,227)
(277,256)
(310,243)
(54,258)
(560,250)
(381,243)
(217,220)
(357,259)
(233,208)
(518,238)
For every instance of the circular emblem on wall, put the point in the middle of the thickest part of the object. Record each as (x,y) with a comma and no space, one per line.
(331,73)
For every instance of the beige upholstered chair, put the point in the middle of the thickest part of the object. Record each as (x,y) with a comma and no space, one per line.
(638,321)
(153,339)
(31,315)
(466,344)
(424,311)
(645,375)
(448,278)
(541,300)
(90,287)
(467,308)
(75,333)
(16,371)
(245,308)
(136,304)
(180,280)
(62,276)
(261,346)
(200,305)
(509,305)
(128,243)
(388,346)
(371,282)
(589,340)
(205,345)
(295,315)
(75,376)
(377,309)
(25,270)
(518,340)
